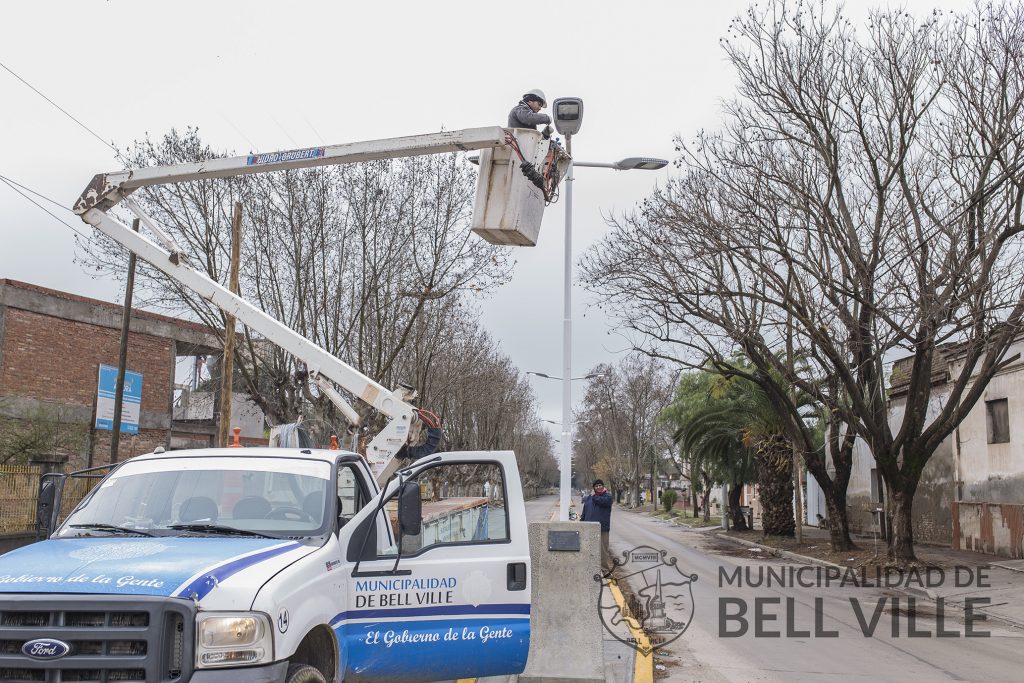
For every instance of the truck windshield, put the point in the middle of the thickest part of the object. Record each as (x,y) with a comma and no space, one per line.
(276,497)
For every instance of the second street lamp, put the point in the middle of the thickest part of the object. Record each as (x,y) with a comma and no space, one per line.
(573,379)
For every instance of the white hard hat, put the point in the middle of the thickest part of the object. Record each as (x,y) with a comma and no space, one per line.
(539,94)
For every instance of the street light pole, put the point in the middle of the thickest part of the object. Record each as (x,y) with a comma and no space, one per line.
(568,122)
(565,481)
(631,163)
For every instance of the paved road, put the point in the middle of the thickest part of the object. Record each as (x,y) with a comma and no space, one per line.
(701,654)
(540,509)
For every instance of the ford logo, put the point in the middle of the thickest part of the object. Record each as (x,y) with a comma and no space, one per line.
(45,648)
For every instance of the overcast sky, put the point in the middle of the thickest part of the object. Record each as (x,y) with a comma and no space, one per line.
(263,76)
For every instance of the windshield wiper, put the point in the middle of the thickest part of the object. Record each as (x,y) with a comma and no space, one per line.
(217,529)
(112,528)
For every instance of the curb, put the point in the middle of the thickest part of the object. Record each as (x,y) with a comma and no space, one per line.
(925,593)
(643,666)
(929,594)
(780,553)
(698,529)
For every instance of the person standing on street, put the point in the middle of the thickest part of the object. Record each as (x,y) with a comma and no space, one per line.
(527,114)
(597,507)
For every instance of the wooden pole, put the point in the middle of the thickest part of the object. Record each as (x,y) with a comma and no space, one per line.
(797,459)
(227,365)
(122,354)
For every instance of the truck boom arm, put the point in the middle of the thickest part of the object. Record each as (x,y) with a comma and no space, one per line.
(107,190)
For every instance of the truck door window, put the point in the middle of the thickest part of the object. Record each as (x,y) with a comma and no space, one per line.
(463,503)
(350,494)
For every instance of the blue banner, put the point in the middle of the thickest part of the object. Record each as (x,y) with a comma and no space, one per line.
(131,405)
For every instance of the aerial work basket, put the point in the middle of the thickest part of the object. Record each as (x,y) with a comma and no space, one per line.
(510,198)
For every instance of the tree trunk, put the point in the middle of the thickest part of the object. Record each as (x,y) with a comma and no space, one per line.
(636,483)
(775,484)
(739,522)
(901,541)
(838,523)
(834,491)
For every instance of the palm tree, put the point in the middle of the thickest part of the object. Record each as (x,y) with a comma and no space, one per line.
(728,426)
(710,441)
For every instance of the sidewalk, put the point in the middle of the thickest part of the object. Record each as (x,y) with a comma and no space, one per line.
(1002,585)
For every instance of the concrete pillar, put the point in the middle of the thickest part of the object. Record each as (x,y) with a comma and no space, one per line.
(566,636)
(49,463)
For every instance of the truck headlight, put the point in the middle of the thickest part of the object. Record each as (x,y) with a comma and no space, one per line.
(233,639)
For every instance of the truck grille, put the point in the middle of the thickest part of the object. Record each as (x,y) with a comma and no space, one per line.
(131,639)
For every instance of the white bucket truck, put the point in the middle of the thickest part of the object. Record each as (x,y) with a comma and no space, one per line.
(277,564)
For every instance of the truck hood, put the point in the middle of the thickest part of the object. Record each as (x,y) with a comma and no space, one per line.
(190,568)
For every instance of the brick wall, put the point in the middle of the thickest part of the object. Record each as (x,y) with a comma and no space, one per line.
(57,360)
(52,359)
(130,444)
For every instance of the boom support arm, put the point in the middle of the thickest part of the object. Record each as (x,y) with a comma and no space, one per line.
(318,361)
(107,190)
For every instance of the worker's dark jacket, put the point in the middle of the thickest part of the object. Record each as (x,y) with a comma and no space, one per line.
(598,508)
(522,116)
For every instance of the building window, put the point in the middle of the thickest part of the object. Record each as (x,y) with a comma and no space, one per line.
(998,418)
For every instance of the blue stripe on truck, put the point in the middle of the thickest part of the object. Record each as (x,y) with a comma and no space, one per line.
(405,650)
(438,610)
(202,585)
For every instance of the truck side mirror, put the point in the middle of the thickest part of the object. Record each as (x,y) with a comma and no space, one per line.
(410,509)
(44,507)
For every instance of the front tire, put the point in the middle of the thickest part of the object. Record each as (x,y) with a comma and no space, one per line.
(304,673)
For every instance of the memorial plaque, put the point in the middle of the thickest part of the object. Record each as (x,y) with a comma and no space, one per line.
(564,540)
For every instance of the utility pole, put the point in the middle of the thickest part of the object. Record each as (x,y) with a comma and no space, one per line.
(227,365)
(797,487)
(654,485)
(122,354)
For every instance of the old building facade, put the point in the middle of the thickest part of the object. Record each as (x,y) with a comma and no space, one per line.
(971,494)
(51,346)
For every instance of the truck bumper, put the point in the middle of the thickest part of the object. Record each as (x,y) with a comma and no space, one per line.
(272,673)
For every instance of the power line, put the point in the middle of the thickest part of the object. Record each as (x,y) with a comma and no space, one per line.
(29,189)
(62,110)
(16,185)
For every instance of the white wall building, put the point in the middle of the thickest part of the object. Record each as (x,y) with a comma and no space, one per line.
(972,489)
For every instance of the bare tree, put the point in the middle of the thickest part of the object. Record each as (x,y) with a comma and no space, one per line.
(863,200)
(621,410)
(44,430)
(482,399)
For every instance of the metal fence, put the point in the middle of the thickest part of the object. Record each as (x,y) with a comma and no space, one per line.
(19,487)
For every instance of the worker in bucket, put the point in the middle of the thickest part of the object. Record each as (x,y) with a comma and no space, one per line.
(527,114)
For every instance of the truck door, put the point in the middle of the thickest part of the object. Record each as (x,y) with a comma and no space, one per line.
(452,601)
